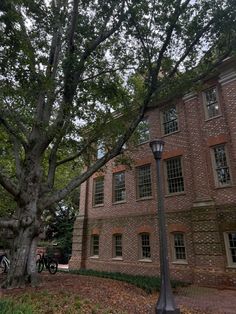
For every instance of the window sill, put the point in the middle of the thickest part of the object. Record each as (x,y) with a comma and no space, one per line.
(212,118)
(223,187)
(120,202)
(165,135)
(175,194)
(180,263)
(117,258)
(94,257)
(231,267)
(144,198)
(98,205)
(145,260)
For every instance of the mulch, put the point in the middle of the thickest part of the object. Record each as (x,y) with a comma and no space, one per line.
(122,297)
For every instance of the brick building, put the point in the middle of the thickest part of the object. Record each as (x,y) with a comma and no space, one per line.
(117,227)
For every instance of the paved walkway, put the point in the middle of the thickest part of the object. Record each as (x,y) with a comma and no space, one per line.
(207,300)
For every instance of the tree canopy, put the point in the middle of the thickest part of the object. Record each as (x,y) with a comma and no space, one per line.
(76,72)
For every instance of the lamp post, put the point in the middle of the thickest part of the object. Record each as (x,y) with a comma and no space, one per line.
(165,303)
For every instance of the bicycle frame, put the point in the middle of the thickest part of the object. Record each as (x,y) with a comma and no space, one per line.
(5,261)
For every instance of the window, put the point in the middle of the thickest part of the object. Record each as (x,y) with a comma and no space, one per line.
(119,186)
(95,245)
(117,242)
(143,131)
(98,196)
(144,184)
(145,246)
(170,120)
(175,178)
(179,247)
(230,243)
(211,103)
(222,173)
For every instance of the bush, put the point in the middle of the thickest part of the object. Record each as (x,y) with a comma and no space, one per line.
(149,284)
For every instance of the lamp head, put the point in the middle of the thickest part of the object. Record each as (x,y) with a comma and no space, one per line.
(157,148)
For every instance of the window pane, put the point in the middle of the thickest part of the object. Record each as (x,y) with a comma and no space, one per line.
(146,249)
(179,246)
(95,245)
(143,131)
(170,120)
(118,245)
(98,191)
(144,181)
(174,175)
(212,105)
(232,246)
(119,186)
(222,168)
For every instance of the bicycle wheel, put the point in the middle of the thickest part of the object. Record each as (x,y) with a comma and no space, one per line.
(3,267)
(40,265)
(52,266)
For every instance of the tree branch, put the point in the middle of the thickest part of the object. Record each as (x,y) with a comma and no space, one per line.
(11,131)
(8,184)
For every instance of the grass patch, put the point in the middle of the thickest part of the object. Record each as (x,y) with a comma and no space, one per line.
(149,284)
(45,302)
(8,306)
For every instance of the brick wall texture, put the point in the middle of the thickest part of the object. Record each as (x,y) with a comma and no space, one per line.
(203,212)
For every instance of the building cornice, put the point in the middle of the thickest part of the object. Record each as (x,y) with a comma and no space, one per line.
(189,96)
(227,77)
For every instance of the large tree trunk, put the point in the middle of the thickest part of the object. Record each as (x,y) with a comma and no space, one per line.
(23,255)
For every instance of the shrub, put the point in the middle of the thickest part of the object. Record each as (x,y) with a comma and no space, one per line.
(149,284)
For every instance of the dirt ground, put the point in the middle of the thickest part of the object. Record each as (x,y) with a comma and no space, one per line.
(112,296)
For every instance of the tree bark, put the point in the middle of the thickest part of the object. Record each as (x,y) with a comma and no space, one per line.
(23,255)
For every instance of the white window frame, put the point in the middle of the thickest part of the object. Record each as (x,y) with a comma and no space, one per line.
(94,189)
(214,166)
(163,111)
(205,103)
(166,175)
(92,245)
(115,256)
(227,248)
(114,188)
(175,260)
(138,197)
(143,132)
(141,257)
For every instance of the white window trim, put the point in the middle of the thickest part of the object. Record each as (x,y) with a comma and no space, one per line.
(166,185)
(174,259)
(205,103)
(91,246)
(213,163)
(162,119)
(227,249)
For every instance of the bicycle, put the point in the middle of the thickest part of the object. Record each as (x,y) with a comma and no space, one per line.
(49,263)
(4,264)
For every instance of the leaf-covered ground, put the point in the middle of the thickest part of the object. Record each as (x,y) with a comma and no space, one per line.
(69,294)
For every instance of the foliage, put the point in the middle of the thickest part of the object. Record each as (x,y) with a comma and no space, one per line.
(59,228)
(147,283)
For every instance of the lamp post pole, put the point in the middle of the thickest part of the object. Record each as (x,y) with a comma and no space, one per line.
(165,303)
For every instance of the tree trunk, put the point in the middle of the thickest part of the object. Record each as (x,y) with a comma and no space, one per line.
(23,258)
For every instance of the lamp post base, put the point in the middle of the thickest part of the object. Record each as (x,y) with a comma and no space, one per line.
(163,311)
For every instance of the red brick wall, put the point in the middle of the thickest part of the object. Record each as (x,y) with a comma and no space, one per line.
(203,211)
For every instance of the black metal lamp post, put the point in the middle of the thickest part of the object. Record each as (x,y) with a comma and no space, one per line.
(165,303)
